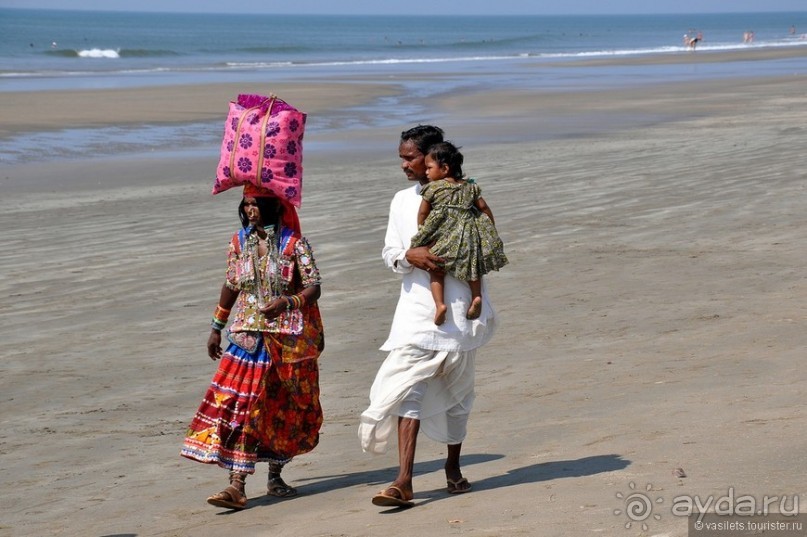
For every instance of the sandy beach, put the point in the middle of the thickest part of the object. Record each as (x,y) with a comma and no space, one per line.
(166,104)
(652,317)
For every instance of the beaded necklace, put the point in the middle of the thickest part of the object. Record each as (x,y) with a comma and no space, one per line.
(266,265)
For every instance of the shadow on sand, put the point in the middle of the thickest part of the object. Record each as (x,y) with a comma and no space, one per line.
(534,473)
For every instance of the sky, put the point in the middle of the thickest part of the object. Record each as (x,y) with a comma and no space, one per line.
(436,7)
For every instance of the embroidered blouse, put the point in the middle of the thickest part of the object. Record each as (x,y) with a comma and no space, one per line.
(288,267)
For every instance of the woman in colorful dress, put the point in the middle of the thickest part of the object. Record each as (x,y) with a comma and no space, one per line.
(263,402)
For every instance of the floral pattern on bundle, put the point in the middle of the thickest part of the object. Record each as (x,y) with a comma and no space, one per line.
(262,145)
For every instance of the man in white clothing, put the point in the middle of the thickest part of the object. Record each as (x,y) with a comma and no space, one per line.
(427,380)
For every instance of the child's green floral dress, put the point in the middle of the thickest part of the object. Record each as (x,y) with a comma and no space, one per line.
(462,235)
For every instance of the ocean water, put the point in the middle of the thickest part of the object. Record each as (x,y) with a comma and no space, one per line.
(62,50)
(46,49)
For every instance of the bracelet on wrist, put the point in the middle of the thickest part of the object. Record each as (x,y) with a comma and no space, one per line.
(221,315)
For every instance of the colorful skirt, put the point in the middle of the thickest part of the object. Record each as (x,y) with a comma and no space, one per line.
(257,409)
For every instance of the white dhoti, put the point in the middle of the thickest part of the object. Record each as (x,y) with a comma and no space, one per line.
(435,387)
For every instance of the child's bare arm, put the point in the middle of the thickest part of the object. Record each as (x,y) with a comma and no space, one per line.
(423,212)
(482,206)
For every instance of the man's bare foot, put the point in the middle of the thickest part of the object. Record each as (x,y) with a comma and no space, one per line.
(475,309)
(440,316)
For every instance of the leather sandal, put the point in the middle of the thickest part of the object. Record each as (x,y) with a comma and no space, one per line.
(277,487)
(393,496)
(229,498)
(232,497)
(459,486)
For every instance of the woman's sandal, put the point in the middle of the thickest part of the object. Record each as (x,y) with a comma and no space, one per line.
(277,487)
(229,498)
(232,497)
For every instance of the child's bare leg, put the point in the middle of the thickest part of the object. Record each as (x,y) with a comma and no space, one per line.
(475,309)
(437,294)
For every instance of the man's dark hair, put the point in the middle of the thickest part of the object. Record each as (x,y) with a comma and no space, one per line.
(423,136)
(271,211)
(447,154)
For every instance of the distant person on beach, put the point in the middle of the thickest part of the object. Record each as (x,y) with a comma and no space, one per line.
(748,37)
(456,223)
(427,379)
(692,38)
(263,402)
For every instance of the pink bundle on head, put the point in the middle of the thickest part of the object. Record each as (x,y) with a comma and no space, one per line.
(263,146)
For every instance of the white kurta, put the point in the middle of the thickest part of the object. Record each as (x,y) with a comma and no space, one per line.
(413,323)
(442,356)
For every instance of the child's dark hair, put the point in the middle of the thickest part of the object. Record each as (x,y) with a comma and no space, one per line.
(447,154)
(270,211)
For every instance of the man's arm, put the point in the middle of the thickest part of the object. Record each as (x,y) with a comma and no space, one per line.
(395,245)
(420,257)
(396,253)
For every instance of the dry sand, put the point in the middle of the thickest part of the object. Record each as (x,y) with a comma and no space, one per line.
(652,318)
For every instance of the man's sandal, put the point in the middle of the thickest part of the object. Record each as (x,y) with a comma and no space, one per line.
(459,486)
(392,496)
